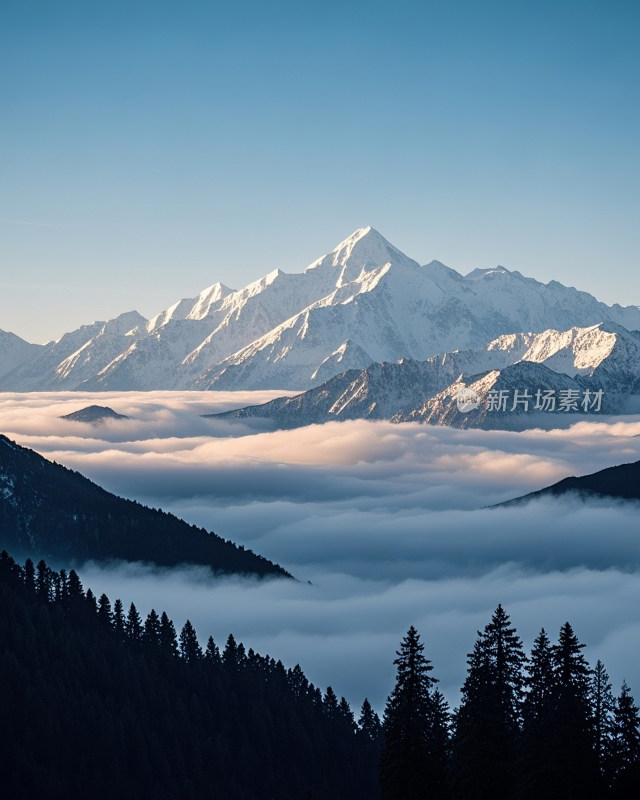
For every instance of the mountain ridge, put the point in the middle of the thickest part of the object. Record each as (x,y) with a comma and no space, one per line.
(620,482)
(601,357)
(48,510)
(364,301)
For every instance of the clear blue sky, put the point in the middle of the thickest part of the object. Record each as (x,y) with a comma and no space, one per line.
(148,149)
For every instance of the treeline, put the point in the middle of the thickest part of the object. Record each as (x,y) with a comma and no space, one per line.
(96,702)
(542,727)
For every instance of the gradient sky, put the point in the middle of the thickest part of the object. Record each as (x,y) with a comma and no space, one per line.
(148,149)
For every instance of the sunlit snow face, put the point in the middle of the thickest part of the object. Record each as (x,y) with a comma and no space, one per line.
(388,522)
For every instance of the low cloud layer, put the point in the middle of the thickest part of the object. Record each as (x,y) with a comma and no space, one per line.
(168,450)
(344,630)
(388,522)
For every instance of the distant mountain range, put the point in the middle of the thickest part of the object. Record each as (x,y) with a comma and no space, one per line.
(362,303)
(15,352)
(49,511)
(576,364)
(617,483)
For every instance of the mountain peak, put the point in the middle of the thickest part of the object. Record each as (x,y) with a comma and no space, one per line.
(479,274)
(123,323)
(364,249)
(207,298)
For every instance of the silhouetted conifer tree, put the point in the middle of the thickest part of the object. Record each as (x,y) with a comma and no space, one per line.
(537,713)
(168,639)
(151,633)
(330,703)
(92,605)
(74,588)
(488,720)
(133,625)
(118,618)
(190,650)
(440,746)
(626,747)
(574,761)
(406,768)
(346,714)
(603,705)
(369,722)
(212,653)
(231,656)
(104,610)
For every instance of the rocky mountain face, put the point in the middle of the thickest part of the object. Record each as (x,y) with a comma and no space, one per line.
(364,302)
(560,364)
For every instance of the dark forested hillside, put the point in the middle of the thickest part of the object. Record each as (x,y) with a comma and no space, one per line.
(50,511)
(97,703)
(621,482)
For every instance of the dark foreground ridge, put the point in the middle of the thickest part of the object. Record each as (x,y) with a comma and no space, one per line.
(620,483)
(50,511)
(93,415)
(98,703)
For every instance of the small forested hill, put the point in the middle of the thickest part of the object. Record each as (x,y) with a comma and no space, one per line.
(51,511)
(96,704)
(621,483)
(93,415)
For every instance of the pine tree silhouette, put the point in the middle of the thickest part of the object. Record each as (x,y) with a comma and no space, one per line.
(626,747)
(574,763)
(151,634)
(190,650)
(212,653)
(369,722)
(118,617)
(406,768)
(488,720)
(330,703)
(168,640)
(133,625)
(537,714)
(105,614)
(603,705)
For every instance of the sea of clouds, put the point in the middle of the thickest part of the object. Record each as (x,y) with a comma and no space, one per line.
(384,526)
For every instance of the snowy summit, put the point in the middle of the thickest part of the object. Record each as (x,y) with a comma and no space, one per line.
(363,302)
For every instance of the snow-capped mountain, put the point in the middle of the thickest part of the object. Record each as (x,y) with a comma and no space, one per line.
(603,357)
(14,351)
(75,357)
(364,302)
(525,378)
